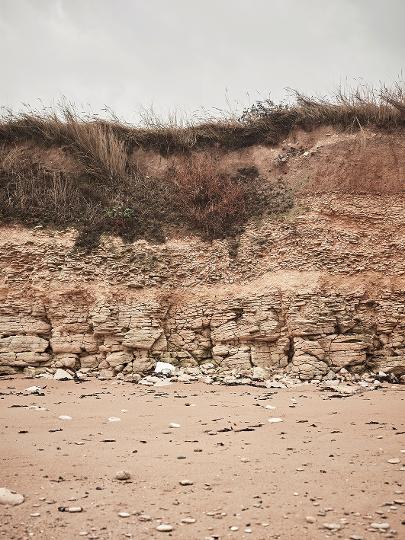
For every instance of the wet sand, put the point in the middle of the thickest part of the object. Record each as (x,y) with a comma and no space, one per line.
(322,472)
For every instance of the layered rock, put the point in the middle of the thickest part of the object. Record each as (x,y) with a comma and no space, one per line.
(319,291)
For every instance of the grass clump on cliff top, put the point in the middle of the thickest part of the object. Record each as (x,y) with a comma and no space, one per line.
(60,169)
(262,123)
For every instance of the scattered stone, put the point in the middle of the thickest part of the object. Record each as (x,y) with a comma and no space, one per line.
(394,461)
(310,519)
(122,475)
(380,526)
(114,419)
(62,375)
(188,520)
(75,509)
(124,514)
(165,368)
(64,417)
(174,425)
(164,527)
(275,420)
(186,482)
(34,390)
(144,517)
(332,526)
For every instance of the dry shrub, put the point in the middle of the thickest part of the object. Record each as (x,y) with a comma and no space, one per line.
(206,198)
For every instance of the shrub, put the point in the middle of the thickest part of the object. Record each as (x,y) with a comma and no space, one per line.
(207,199)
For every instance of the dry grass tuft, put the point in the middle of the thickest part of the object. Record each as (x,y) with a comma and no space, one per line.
(262,123)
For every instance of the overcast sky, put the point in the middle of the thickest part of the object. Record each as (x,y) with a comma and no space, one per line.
(187,54)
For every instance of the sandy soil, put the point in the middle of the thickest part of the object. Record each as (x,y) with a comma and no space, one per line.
(326,463)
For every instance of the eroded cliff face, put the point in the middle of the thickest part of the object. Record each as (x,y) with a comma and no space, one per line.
(319,290)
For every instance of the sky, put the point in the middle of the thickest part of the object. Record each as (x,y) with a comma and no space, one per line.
(186,56)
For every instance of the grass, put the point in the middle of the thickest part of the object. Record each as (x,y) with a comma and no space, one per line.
(262,123)
(61,169)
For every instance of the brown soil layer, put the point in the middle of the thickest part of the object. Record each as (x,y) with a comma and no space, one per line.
(322,461)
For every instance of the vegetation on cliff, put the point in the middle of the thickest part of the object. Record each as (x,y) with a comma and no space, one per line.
(60,169)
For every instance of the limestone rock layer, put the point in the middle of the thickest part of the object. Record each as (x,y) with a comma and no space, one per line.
(319,290)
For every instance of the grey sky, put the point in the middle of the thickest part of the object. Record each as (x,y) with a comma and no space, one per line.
(186,54)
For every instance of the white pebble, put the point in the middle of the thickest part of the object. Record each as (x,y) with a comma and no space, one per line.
(380,526)
(75,509)
(164,527)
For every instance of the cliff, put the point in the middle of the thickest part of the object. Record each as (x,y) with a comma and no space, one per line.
(309,289)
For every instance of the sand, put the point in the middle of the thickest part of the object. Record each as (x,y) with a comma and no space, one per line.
(326,463)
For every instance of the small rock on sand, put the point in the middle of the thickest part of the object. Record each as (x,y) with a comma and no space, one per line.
(34,390)
(164,527)
(10,497)
(186,482)
(188,520)
(75,509)
(122,475)
(62,375)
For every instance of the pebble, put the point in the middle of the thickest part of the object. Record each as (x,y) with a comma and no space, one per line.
(62,375)
(234,528)
(275,420)
(174,425)
(188,520)
(75,509)
(64,417)
(380,526)
(331,526)
(124,514)
(122,475)
(310,519)
(34,390)
(10,497)
(186,483)
(145,517)
(164,527)
(394,461)
(114,419)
